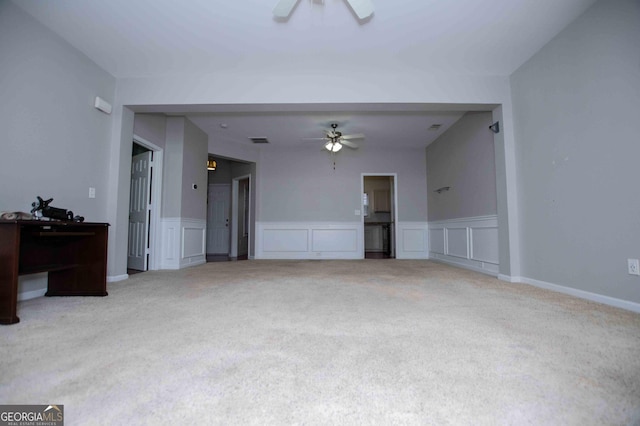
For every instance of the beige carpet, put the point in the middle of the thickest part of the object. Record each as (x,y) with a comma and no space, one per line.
(324,342)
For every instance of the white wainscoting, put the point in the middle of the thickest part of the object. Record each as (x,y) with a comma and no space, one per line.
(470,243)
(309,240)
(183,242)
(333,240)
(412,240)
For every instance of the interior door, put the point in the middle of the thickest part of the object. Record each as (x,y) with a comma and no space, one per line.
(139,209)
(218,211)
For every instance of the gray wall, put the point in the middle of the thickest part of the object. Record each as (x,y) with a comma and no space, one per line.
(172,168)
(54,142)
(463,159)
(299,184)
(222,174)
(577,126)
(151,127)
(185,159)
(194,171)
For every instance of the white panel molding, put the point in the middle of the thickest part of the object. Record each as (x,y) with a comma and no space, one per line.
(470,243)
(594,297)
(412,240)
(193,242)
(183,242)
(309,240)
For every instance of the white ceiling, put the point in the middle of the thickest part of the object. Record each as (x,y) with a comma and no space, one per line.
(136,38)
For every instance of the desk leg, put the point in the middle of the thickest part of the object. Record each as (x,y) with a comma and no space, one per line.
(9,252)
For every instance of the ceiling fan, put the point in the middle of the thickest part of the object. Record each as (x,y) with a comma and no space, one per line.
(362,8)
(336,140)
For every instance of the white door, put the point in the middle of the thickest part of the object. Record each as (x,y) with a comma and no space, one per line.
(139,208)
(219,200)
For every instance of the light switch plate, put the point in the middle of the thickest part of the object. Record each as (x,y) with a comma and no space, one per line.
(356,212)
(92,192)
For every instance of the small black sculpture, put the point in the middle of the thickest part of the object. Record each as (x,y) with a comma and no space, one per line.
(41,208)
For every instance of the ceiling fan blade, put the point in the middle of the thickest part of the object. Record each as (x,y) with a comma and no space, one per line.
(362,8)
(284,8)
(350,144)
(315,139)
(354,136)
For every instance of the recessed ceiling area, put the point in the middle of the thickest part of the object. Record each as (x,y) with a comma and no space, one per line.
(384,125)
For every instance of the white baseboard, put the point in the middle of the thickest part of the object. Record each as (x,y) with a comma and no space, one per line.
(587,295)
(31,294)
(116,278)
(509,278)
(483,269)
(594,297)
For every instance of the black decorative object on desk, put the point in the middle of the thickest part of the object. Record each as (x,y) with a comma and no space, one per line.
(41,208)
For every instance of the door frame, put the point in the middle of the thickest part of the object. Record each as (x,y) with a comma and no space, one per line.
(235,195)
(155,242)
(394,248)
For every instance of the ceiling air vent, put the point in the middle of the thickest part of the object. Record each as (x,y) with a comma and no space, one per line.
(435,126)
(259,140)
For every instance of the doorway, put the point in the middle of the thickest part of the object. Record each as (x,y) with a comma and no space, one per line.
(218,210)
(241,213)
(379,207)
(144,205)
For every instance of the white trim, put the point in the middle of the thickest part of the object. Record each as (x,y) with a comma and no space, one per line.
(116,278)
(33,294)
(235,188)
(485,220)
(412,240)
(333,240)
(509,278)
(155,228)
(309,240)
(594,297)
(481,254)
(483,268)
(394,212)
(178,243)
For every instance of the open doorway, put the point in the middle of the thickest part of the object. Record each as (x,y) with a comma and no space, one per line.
(144,205)
(379,216)
(241,212)
(231,210)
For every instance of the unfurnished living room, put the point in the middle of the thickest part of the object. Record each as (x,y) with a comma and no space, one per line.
(320,212)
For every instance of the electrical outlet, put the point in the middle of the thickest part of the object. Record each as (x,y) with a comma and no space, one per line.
(634,267)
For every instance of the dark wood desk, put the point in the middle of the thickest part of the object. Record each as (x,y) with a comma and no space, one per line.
(74,255)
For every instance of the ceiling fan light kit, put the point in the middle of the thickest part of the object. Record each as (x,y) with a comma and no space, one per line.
(333,146)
